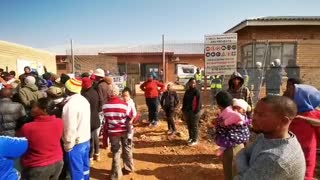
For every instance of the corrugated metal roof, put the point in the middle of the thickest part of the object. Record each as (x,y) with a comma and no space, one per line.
(276,21)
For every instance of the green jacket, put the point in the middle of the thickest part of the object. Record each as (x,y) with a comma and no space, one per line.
(28,94)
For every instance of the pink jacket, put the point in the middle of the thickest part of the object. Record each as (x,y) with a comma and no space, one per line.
(231,117)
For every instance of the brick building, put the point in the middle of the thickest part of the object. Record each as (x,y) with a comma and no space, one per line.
(294,40)
(15,57)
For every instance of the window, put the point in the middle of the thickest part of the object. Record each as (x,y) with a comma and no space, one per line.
(62,66)
(188,70)
(176,67)
(256,52)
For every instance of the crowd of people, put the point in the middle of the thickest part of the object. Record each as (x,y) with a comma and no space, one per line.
(50,125)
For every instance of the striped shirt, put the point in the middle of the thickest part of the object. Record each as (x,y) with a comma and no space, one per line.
(116,113)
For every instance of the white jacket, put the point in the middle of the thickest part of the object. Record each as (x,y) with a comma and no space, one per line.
(76,116)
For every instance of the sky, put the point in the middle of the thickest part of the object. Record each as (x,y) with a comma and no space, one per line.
(50,23)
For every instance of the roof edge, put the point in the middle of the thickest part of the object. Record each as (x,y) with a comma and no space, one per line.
(28,47)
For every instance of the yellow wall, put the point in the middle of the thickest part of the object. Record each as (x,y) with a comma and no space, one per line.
(10,53)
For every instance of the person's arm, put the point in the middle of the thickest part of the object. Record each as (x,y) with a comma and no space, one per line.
(142,86)
(197,102)
(161,85)
(162,100)
(70,130)
(13,147)
(264,167)
(101,96)
(176,99)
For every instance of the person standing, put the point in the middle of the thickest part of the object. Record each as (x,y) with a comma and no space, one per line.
(77,134)
(10,112)
(101,87)
(11,148)
(256,81)
(116,113)
(276,153)
(307,99)
(29,93)
(216,86)
(237,88)
(44,158)
(191,107)
(169,101)
(273,78)
(198,78)
(152,92)
(27,72)
(92,96)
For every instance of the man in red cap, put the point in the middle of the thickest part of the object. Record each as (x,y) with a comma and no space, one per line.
(92,96)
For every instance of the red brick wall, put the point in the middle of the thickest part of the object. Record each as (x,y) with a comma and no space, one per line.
(308,46)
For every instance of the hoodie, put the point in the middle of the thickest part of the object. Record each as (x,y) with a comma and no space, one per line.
(28,94)
(243,92)
(306,97)
(10,149)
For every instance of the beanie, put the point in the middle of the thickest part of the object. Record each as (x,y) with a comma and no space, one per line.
(86,83)
(74,85)
(29,80)
(241,103)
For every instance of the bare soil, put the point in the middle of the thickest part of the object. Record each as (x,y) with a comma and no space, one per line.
(159,156)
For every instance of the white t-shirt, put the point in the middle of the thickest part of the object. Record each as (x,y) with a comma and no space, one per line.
(132,107)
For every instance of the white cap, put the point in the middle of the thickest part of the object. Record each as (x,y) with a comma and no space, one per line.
(30,80)
(277,62)
(241,103)
(99,72)
(259,64)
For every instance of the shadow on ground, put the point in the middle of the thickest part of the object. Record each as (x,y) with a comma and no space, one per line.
(99,173)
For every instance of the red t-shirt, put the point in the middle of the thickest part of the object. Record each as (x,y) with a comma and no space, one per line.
(44,135)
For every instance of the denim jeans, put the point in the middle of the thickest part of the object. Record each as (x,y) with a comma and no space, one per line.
(152,104)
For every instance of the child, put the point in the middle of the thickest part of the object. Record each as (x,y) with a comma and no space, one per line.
(231,125)
(126,95)
(276,153)
(169,101)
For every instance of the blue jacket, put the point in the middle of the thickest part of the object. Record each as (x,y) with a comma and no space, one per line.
(306,97)
(10,149)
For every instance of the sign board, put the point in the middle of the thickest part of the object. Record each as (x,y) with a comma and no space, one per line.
(119,81)
(220,54)
(34,65)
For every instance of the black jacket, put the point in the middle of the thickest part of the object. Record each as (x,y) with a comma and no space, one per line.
(92,96)
(192,101)
(169,100)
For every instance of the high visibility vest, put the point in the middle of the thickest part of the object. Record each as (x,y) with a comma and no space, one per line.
(216,82)
(198,77)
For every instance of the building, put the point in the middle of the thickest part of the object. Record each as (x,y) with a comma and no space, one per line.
(15,57)
(293,39)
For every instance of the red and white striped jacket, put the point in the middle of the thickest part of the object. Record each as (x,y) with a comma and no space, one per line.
(116,112)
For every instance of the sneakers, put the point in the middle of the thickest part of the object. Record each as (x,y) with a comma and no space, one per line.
(193,143)
(96,157)
(189,141)
(126,172)
(91,161)
(170,132)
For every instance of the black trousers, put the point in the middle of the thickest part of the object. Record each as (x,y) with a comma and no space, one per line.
(94,143)
(192,121)
(170,120)
(50,172)
(152,104)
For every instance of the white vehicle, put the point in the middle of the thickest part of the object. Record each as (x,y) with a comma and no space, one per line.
(187,71)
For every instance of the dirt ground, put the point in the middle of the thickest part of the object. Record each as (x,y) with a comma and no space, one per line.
(159,156)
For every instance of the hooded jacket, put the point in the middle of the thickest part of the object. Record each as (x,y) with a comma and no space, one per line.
(307,99)
(10,149)
(243,92)
(29,93)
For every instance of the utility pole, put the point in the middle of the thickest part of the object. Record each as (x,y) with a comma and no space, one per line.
(163,61)
(72,57)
